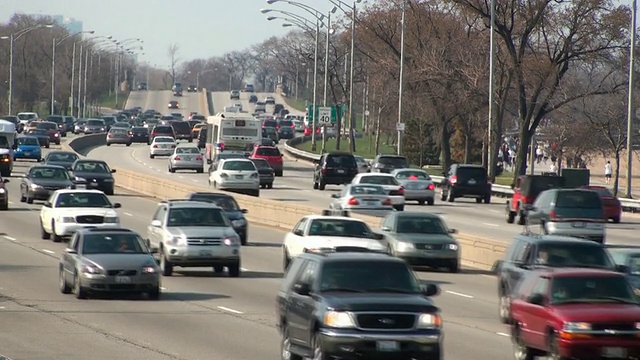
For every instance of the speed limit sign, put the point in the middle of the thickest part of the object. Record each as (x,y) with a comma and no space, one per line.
(324,115)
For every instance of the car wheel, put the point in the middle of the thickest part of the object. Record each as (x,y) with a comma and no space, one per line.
(5,205)
(270,186)
(23,198)
(109,192)
(478,200)
(520,350)
(318,352)
(172,170)
(128,144)
(279,173)
(43,233)
(554,349)
(504,308)
(285,346)
(286,259)
(218,269)
(56,238)
(78,290)
(29,200)
(154,294)
(200,171)
(510,216)
(47,146)
(451,198)
(166,267)
(421,202)
(108,144)
(399,207)
(64,286)
(430,202)
(616,220)
(322,185)
(522,218)
(234,270)
(487,199)
(315,185)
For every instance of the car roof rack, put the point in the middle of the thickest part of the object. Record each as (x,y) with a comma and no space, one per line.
(332,212)
(342,249)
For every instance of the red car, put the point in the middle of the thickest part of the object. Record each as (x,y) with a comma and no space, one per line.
(52,131)
(272,155)
(308,130)
(571,313)
(611,204)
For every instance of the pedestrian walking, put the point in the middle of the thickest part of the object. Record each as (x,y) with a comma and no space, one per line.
(607,172)
(553,168)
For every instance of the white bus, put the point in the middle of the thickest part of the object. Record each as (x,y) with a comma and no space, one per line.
(232,131)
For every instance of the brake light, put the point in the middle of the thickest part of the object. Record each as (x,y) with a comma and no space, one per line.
(431,187)
(155,146)
(177,158)
(263,126)
(153,133)
(553,215)
(224,175)
(413,177)
(324,169)
(278,127)
(292,126)
(453,179)
(198,158)
(353,201)
(387,202)
(400,191)
(254,176)
(109,136)
(131,133)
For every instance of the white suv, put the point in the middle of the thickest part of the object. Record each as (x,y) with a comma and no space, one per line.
(69,210)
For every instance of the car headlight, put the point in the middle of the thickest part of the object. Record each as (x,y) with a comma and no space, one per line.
(2,191)
(56,134)
(35,186)
(91,269)
(149,269)
(231,241)
(239,222)
(404,246)
(453,247)
(102,129)
(176,240)
(573,326)
(111,220)
(338,319)
(66,219)
(429,321)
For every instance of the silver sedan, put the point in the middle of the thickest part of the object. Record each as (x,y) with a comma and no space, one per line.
(417,185)
(365,198)
(186,158)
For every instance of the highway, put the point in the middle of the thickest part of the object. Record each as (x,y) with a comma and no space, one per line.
(201,315)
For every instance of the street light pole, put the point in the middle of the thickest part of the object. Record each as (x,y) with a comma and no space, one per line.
(53,77)
(352,110)
(401,86)
(631,112)
(84,95)
(491,166)
(315,90)
(80,78)
(11,75)
(73,74)
(326,62)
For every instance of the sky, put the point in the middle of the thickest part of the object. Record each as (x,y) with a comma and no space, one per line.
(200,28)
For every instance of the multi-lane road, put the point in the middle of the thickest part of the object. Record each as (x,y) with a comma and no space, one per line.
(203,315)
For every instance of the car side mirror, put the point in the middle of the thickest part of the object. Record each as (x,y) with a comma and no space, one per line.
(244,211)
(335,196)
(47,204)
(302,289)
(385,228)
(117,206)
(156,223)
(113,171)
(622,269)
(70,251)
(453,231)
(431,290)
(297,232)
(377,236)
(536,299)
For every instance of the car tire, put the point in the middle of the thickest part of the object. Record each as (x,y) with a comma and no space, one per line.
(200,171)
(317,351)
(64,286)
(279,173)
(47,146)
(451,198)
(286,259)
(218,269)
(263,186)
(487,199)
(39,160)
(234,269)
(399,207)
(616,220)
(554,348)
(128,144)
(155,293)
(166,267)
(315,186)
(420,202)
(478,200)
(108,144)
(431,201)
(56,238)
(322,185)
(510,216)
(29,200)
(504,307)
(172,170)
(520,350)
(151,156)
(522,219)
(78,290)
(44,235)
(285,346)
(270,186)
(5,205)
(23,198)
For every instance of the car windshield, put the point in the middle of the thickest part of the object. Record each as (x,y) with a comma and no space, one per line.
(95,122)
(591,289)
(48,173)
(62,157)
(28,141)
(81,122)
(163,140)
(393,160)
(578,200)
(367,190)
(420,225)
(163,129)
(188,150)
(238,166)
(83,200)
(197,217)
(140,130)
(91,167)
(339,227)
(412,175)
(265,151)
(356,276)
(379,180)
(181,126)
(573,255)
(26,116)
(226,203)
(261,163)
(112,244)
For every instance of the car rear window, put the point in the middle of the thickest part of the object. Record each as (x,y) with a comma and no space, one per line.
(476,173)
(163,129)
(393,160)
(341,160)
(56,119)
(379,180)
(198,117)
(261,163)
(573,255)
(47,126)
(412,175)
(270,123)
(95,122)
(268,151)
(578,199)
(181,127)
(286,123)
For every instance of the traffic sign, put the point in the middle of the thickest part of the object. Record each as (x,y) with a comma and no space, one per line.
(324,115)
(337,111)
(399,126)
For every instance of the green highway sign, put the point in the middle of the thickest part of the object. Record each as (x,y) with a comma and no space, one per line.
(322,113)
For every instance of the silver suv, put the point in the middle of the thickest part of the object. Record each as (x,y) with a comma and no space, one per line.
(194,234)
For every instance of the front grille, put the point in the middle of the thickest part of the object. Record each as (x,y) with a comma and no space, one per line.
(204,241)
(89,219)
(122,272)
(429,246)
(391,321)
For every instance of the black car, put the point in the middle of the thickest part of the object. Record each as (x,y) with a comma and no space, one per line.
(202,138)
(95,174)
(61,158)
(330,306)
(388,163)
(528,251)
(462,180)
(70,123)
(334,168)
(192,88)
(109,121)
(230,207)
(285,129)
(42,180)
(162,130)
(42,135)
(142,86)
(277,109)
(265,171)
(139,134)
(59,120)
(182,130)
(253,99)
(271,133)
(266,142)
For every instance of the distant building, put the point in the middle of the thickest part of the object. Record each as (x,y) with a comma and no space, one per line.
(72,25)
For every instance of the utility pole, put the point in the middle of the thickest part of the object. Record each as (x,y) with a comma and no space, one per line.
(401,86)
(631,111)
(491,166)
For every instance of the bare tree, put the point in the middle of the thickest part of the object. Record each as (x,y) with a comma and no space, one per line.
(172,52)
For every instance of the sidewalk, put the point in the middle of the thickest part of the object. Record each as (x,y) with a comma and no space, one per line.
(596,167)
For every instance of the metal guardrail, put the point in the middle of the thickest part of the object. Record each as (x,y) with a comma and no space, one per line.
(628,205)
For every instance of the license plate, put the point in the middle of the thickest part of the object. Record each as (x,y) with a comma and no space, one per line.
(238,176)
(123,279)
(471,182)
(187,158)
(27,154)
(205,253)
(578,224)
(614,352)
(387,346)
(340,171)
(371,203)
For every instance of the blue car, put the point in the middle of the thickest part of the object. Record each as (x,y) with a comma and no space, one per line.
(28,148)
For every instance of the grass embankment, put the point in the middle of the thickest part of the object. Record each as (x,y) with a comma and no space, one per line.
(365,147)
(505,179)
(110,101)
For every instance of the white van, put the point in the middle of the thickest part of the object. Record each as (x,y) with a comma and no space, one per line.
(25,117)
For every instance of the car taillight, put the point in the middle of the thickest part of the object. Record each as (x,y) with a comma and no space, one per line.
(177,158)
(198,158)
(553,215)
(109,135)
(254,176)
(155,146)
(431,187)
(153,133)
(353,201)
(224,175)
(278,127)
(453,179)
(292,126)
(387,202)
(400,191)
(324,169)
(263,126)
(130,133)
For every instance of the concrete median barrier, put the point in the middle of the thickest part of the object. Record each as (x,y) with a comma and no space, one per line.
(475,251)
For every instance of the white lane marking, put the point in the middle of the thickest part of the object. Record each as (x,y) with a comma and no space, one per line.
(128,214)
(48,251)
(244,269)
(2,307)
(9,238)
(490,224)
(459,294)
(494,211)
(230,310)
(195,181)
(163,288)
(503,334)
(145,164)
(489,276)
(181,177)
(10,202)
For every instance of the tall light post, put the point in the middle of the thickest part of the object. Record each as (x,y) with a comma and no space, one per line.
(55,44)
(12,38)
(492,55)
(401,81)
(73,72)
(631,112)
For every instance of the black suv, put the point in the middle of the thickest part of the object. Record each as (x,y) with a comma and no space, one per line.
(466,181)
(529,251)
(192,88)
(388,163)
(335,168)
(330,306)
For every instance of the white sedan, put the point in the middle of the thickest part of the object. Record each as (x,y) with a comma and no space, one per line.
(321,233)
(69,210)
(388,182)
(162,146)
(240,175)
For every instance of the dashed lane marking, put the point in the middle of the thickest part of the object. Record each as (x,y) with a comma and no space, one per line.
(459,294)
(490,224)
(223,308)
(244,269)
(128,214)
(48,251)
(9,238)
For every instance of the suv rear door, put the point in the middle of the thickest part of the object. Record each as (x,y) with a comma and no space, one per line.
(579,204)
(340,165)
